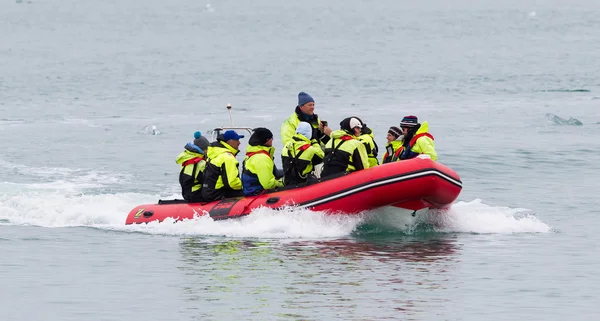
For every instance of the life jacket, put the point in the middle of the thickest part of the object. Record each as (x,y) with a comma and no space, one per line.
(292,169)
(191,178)
(336,160)
(372,150)
(400,154)
(216,184)
(250,183)
(397,154)
(194,160)
(390,151)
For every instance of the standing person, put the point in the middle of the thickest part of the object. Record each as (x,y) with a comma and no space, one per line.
(394,143)
(193,164)
(300,155)
(417,139)
(344,152)
(258,173)
(305,111)
(222,177)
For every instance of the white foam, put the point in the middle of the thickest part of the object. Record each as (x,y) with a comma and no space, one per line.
(108,211)
(53,206)
(59,210)
(476,217)
(261,223)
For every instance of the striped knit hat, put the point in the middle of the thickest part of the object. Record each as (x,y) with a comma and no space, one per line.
(409,121)
(395,131)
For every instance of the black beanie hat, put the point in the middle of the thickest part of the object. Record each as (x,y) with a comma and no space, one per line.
(260,136)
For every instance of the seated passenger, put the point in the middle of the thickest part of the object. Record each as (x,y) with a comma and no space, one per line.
(222,176)
(394,143)
(258,173)
(193,163)
(417,140)
(300,155)
(344,152)
(366,136)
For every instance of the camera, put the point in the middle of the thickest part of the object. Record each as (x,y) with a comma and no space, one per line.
(324,123)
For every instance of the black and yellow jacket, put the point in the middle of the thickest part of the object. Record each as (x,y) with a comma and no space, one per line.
(258,172)
(299,156)
(369,140)
(288,128)
(344,153)
(222,171)
(193,164)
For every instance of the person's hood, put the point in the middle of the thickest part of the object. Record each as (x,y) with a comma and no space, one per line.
(193,148)
(187,155)
(219,147)
(423,129)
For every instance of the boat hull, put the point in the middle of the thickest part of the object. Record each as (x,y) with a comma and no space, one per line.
(413,184)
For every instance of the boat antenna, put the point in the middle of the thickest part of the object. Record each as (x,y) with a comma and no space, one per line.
(230,118)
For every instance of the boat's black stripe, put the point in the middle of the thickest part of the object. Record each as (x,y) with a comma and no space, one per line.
(382,181)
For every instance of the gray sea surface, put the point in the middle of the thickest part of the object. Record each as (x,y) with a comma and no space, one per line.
(97,98)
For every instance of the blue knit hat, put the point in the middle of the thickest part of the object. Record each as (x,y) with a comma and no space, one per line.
(304,98)
(409,121)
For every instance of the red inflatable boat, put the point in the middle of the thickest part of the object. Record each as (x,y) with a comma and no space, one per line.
(412,184)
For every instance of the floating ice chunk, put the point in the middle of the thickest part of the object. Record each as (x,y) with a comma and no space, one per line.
(557,120)
(152,130)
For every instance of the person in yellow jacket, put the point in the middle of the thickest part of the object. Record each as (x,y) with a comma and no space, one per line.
(366,136)
(394,143)
(344,152)
(417,139)
(300,155)
(222,177)
(258,172)
(193,164)
(305,111)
